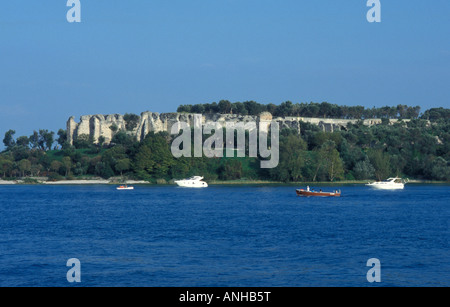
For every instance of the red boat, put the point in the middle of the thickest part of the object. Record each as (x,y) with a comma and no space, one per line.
(307,192)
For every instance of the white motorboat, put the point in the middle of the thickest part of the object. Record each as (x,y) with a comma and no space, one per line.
(393,183)
(125,187)
(192,182)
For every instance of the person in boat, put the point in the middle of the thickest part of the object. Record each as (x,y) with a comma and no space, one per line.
(307,188)
(320,190)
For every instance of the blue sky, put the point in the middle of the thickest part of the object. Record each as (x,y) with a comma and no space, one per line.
(130,56)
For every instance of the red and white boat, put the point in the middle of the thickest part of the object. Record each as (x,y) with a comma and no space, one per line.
(320,193)
(125,187)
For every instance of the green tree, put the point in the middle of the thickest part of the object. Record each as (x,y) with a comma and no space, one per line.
(436,114)
(104,170)
(55,166)
(311,110)
(6,165)
(231,170)
(380,161)
(20,152)
(101,141)
(24,166)
(180,168)
(224,107)
(292,150)
(331,160)
(363,169)
(239,108)
(67,165)
(114,128)
(144,163)
(62,138)
(82,141)
(34,140)
(23,141)
(184,108)
(36,169)
(154,158)
(46,139)
(122,165)
(254,108)
(325,109)
(198,108)
(285,109)
(131,121)
(123,138)
(8,140)
(440,169)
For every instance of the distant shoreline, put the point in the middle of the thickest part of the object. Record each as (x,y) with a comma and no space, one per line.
(31,181)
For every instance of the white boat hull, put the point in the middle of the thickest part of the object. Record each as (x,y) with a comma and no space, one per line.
(387,186)
(393,183)
(129,188)
(191,184)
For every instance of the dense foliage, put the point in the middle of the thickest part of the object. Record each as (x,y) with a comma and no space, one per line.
(312,109)
(418,149)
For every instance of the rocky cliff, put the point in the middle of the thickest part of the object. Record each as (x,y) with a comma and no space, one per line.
(96,126)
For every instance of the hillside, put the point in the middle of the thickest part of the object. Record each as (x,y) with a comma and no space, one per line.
(416,147)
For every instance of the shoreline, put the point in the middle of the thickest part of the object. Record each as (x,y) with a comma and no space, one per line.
(32,181)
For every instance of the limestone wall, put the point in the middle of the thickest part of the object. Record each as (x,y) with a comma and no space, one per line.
(98,125)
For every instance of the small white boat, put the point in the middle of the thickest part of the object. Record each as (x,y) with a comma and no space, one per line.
(192,182)
(125,187)
(393,183)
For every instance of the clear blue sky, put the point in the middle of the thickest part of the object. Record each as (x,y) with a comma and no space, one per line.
(130,56)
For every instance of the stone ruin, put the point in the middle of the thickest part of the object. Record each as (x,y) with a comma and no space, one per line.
(96,126)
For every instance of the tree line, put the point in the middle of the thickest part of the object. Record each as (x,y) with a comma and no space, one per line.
(419,149)
(312,109)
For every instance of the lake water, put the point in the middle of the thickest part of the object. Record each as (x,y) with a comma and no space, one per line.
(232,236)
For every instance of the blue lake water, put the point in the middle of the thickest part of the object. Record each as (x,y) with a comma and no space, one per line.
(250,236)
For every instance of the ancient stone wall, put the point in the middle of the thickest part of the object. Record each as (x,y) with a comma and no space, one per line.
(95,126)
